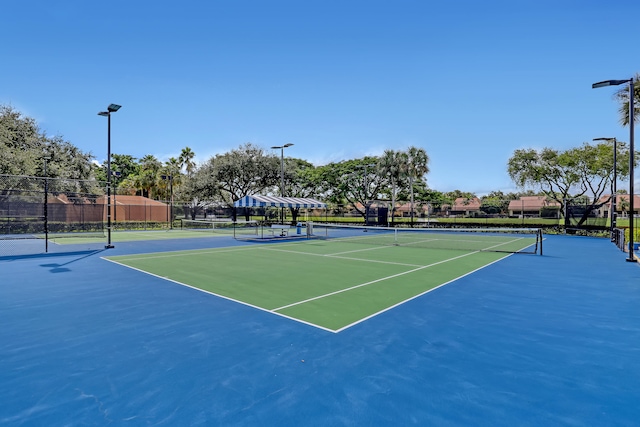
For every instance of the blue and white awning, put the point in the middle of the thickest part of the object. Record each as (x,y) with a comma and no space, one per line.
(277,202)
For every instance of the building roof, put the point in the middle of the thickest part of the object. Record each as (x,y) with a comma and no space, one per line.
(464,204)
(131,200)
(623,198)
(531,203)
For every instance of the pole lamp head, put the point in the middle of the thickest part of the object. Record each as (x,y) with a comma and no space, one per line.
(278,147)
(112,108)
(609,83)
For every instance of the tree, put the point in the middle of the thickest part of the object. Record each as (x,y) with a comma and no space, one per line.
(415,167)
(169,178)
(147,176)
(435,200)
(553,172)
(585,170)
(127,167)
(125,164)
(241,172)
(73,166)
(21,148)
(451,196)
(358,182)
(199,191)
(24,148)
(391,165)
(494,204)
(301,179)
(186,161)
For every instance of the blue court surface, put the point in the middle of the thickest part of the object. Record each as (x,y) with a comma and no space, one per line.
(550,340)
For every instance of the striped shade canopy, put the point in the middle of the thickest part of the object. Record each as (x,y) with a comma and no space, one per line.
(278,202)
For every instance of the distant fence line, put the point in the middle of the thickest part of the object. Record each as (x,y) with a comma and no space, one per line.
(81,204)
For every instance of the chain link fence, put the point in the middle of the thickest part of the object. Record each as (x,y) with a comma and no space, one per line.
(32,206)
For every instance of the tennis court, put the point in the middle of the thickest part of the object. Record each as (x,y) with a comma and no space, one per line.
(511,339)
(337,282)
(26,244)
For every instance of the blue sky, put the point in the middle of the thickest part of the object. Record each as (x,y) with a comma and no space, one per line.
(469,81)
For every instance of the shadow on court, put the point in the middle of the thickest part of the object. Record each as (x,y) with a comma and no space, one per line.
(62,267)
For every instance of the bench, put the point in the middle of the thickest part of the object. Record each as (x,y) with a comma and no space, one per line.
(284,229)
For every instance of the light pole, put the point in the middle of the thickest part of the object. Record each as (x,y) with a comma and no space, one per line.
(632,153)
(281,148)
(613,182)
(46,205)
(170,216)
(116,175)
(112,108)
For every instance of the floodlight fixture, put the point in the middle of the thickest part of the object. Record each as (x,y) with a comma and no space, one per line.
(113,108)
(609,83)
(278,147)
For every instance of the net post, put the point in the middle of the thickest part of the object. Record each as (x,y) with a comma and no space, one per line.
(540,237)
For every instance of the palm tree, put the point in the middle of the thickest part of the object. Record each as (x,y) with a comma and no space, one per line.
(169,177)
(622,95)
(173,165)
(416,165)
(391,165)
(149,167)
(186,160)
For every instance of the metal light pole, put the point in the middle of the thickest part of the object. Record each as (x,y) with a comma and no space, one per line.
(613,183)
(170,216)
(46,205)
(112,108)
(281,148)
(116,175)
(632,152)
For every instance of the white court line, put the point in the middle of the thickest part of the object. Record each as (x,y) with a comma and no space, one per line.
(506,243)
(415,296)
(364,239)
(223,296)
(357,250)
(373,281)
(343,257)
(275,310)
(188,252)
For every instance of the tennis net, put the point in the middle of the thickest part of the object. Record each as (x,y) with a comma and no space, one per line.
(509,240)
(222,227)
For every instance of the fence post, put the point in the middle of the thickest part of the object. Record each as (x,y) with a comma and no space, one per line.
(46,209)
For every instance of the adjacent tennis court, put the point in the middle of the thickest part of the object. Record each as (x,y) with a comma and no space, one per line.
(335,282)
